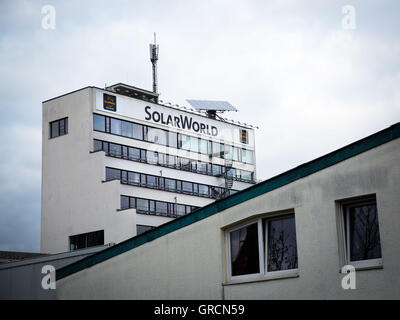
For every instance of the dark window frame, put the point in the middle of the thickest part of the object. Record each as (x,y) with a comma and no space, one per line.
(64,121)
(86,238)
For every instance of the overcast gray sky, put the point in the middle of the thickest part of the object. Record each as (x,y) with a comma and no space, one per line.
(290,67)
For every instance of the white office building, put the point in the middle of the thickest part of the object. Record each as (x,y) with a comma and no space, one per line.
(117,162)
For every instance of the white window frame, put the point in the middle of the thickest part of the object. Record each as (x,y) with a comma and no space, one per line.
(262,253)
(345,223)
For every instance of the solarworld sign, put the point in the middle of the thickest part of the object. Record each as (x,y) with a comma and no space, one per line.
(180,122)
(162,115)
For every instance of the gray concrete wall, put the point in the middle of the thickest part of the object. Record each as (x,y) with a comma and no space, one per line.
(190,262)
(22,280)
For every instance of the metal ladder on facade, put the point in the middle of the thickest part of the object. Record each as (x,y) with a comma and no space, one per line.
(228,174)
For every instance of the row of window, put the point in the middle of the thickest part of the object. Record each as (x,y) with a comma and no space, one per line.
(166,160)
(58,127)
(167,209)
(170,139)
(266,245)
(167,184)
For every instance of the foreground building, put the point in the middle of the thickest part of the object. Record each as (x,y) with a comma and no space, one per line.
(299,229)
(117,162)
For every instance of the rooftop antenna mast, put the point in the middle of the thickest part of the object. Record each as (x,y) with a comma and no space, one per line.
(154,59)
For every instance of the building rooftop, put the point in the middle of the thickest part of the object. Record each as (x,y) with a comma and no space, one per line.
(142,94)
(12,256)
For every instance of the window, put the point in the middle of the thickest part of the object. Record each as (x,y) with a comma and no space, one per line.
(125,202)
(142,205)
(58,128)
(143,155)
(162,207)
(189,143)
(217,150)
(247,156)
(281,244)
(263,247)
(137,132)
(141,229)
(185,164)
(152,157)
(362,246)
(124,176)
(216,192)
(184,142)
(116,126)
(143,179)
(194,144)
(170,184)
(106,147)
(99,123)
(86,240)
(161,159)
(134,154)
(203,145)
(157,136)
(112,174)
(170,161)
(246,175)
(187,187)
(180,210)
(235,154)
(204,190)
(152,181)
(202,167)
(115,150)
(216,170)
(244,250)
(133,178)
(152,206)
(173,139)
(97,145)
(126,129)
(124,152)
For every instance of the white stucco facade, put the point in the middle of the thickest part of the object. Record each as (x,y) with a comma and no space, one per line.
(190,262)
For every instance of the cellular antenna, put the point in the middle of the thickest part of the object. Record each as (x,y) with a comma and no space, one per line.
(154,59)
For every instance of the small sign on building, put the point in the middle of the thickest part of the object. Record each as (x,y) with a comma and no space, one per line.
(109,102)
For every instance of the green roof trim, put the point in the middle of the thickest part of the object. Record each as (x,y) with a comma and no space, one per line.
(351,150)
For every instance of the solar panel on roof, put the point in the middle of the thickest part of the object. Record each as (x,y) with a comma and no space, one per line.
(211,105)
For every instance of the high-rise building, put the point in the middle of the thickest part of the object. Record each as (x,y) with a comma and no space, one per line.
(117,162)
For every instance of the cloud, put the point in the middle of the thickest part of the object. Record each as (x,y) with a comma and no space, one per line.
(288,66)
